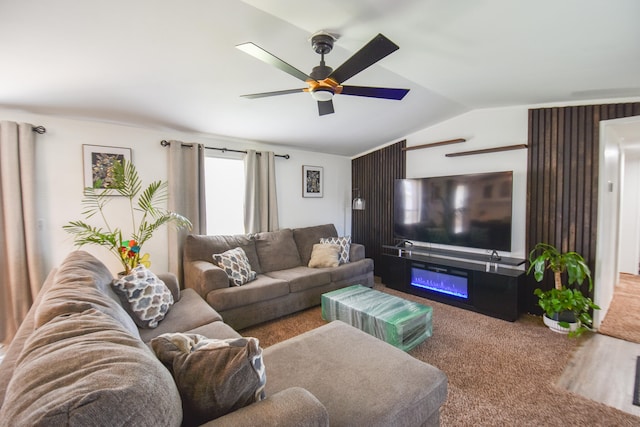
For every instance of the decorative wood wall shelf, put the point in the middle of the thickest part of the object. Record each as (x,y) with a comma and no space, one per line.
(487,150)
(434,144)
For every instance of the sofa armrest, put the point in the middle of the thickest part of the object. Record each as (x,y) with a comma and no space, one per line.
(204,277)
(292,407)
(171,280)
(356,252)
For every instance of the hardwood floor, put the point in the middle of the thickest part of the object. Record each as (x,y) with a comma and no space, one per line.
(603,369)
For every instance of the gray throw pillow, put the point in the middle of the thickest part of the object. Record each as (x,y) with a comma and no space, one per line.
(345,246)
(214,377)
(144,296)
(235,263)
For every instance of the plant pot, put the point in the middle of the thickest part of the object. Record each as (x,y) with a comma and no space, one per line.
(554,325)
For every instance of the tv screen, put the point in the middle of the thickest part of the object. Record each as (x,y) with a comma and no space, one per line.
(463,210)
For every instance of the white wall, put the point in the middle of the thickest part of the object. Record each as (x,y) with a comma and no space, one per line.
(606,274)
(629,209)
(485,128)
(60,183)
(334,207)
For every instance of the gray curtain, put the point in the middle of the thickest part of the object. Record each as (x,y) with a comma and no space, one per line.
(21,271)
(186,197)
(261,205)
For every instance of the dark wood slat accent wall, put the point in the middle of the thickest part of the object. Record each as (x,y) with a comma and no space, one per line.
(562,179)
(374,174)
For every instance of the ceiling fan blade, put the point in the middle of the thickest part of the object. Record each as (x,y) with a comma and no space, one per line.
(275,93)
(264,56)
(375,92)
(325,107)
(371,53)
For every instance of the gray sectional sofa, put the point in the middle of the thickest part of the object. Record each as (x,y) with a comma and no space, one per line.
(80,360)
(284,284)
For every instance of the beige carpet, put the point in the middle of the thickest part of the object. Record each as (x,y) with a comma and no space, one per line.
(500,373)
(623,317)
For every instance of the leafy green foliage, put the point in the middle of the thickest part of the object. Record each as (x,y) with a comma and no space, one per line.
(545,256)
(556,301)
(563,298)
(148,206)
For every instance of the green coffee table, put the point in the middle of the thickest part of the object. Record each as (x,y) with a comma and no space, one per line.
(399,322)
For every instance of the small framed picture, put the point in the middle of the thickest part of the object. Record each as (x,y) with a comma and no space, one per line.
(98,163)
(312,177)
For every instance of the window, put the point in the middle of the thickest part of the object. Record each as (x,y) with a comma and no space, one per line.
(225,195)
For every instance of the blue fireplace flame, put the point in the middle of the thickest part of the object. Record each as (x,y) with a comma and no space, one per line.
(443,283)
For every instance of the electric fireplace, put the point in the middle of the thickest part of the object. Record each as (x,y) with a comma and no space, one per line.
(442,282)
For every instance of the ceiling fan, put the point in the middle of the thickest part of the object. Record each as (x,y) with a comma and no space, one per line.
(324,82)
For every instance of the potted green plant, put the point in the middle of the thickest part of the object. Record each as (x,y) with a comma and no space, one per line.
(146,215)
(565,308)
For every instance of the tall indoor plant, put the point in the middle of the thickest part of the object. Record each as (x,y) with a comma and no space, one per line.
(144,206)
(564,304)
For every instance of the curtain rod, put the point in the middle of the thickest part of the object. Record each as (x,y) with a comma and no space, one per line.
(39,129)
(166,143)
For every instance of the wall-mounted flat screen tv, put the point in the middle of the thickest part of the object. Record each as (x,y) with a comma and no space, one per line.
(471,210)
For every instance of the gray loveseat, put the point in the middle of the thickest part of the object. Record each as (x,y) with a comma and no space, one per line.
(78,359)
(284,284)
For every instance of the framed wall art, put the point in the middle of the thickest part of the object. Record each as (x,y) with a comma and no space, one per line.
(98,163)
(312,177)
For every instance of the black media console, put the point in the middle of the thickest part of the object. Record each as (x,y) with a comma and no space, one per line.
(457,278)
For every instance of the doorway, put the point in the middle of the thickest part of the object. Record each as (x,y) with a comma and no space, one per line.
(619,148)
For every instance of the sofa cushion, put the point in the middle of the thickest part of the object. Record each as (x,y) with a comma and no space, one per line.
(400,390)
(14,350)
(218,330)
(293,407)
(85,369)
(306,237)
(303,278)
(214,376)
(190,312)
(145,297)
(81,282)
(344,243)
(262,289)
(353,269)
(235,263)
(201,247)
(325,255)
(277,250)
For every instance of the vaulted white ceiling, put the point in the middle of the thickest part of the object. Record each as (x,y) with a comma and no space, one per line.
(173,64)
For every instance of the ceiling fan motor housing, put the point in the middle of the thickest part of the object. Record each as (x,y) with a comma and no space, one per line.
(322,43)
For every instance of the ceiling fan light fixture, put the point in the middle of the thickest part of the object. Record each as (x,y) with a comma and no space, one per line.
(322,94)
